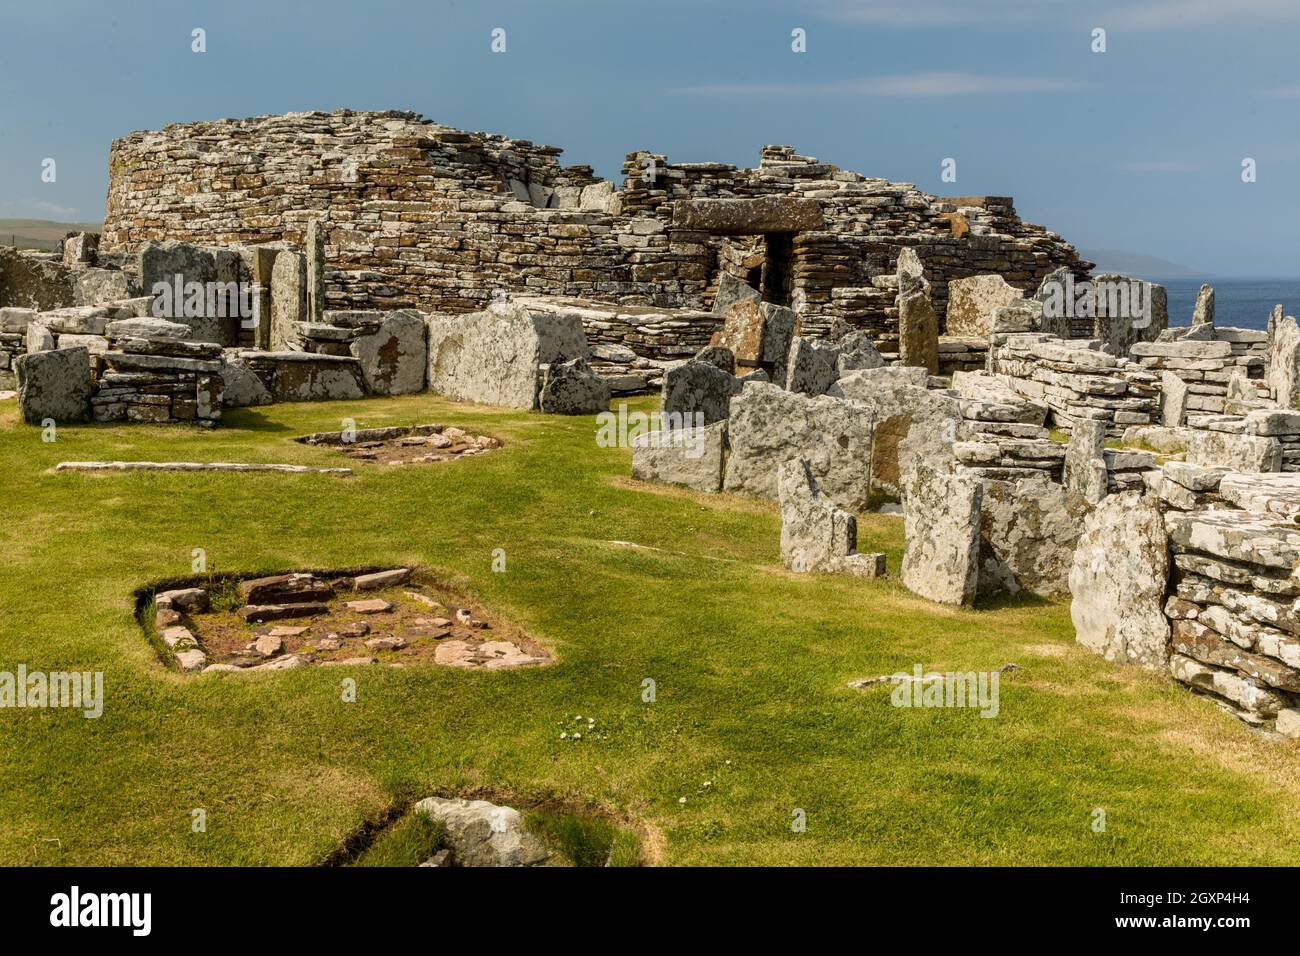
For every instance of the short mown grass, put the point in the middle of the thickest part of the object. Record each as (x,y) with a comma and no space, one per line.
(751,727)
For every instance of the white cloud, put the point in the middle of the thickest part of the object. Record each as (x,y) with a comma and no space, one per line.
(36,207)
(907,84)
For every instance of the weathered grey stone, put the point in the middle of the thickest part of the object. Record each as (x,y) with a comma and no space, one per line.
(918,326)
(779,324)
(33,282)
(1085,472)
(314,248)
(97,286)
(484,834)
(572,388)
(496,356)
(1234,452)
(146,328)
(730,291)
(770,426)
(1173,400)
(857,351)
(303,376)
(394,360)
(1203,311)
(1028,532)
(748,216)
(910,424)
(39,338)
(691,457)
(160,263)
(1128,311)
(813,366)
(698,388)
(941,526)
(717,355)
(288,300)
(14,320)
(242,385)
(76,320)
(1166,440)
(973,303)
(55,385)
(1282,370)
(1242,691)
(1118,580)
(816,535)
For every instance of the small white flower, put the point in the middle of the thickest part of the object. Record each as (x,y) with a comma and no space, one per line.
(708,783)
(562,736)
(577,736)
(682,800)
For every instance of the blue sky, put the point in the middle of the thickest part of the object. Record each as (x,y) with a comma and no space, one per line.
(1137,148)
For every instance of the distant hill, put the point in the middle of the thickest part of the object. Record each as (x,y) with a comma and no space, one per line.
(1137,264)
(40,233)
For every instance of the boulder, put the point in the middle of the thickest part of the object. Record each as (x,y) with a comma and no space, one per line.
(242,386)
(973,303)
(941,527)
(812,366)
(394,360)
(769,426)
(55,385)
(717,355)
(479,833)
(697,388)
(816,535)
(495,357)
(33,281)
(691,457)
(857,351)
(572,388)
(1118,580)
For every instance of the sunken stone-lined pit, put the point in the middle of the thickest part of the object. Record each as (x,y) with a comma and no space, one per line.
(285,621)
(414,445)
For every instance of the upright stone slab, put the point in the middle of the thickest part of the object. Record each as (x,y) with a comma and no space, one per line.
(1282,370)
(394,360)
(1173,400)
(857,351)
(495,357)
(813,366)
(55,385)
(1028,532)
(1084,473)
(730,291)
(572,388)
(315,250)
(816,535)
(941,525)
(974,301)
(288,300)
(918,326)
(769,426)
(1118,581)
(911,425)
(691,457)
(1203,311)
(697,388)
(779,325)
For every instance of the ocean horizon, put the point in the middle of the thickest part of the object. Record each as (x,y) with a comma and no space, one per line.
(1243,303)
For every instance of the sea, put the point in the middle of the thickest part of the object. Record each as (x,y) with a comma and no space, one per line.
(1238,303)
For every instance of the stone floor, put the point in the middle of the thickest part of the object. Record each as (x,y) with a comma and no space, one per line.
(417,445)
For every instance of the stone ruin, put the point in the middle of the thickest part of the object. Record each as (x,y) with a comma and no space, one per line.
(831,342)
(286,621)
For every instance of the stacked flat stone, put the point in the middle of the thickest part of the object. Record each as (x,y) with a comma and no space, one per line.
(1233,598)
(13,343)
(157,378)
(1206,367)
(1281,425)
(419,215)
(1076,380)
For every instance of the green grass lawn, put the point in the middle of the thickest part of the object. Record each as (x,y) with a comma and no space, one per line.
(622,582)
